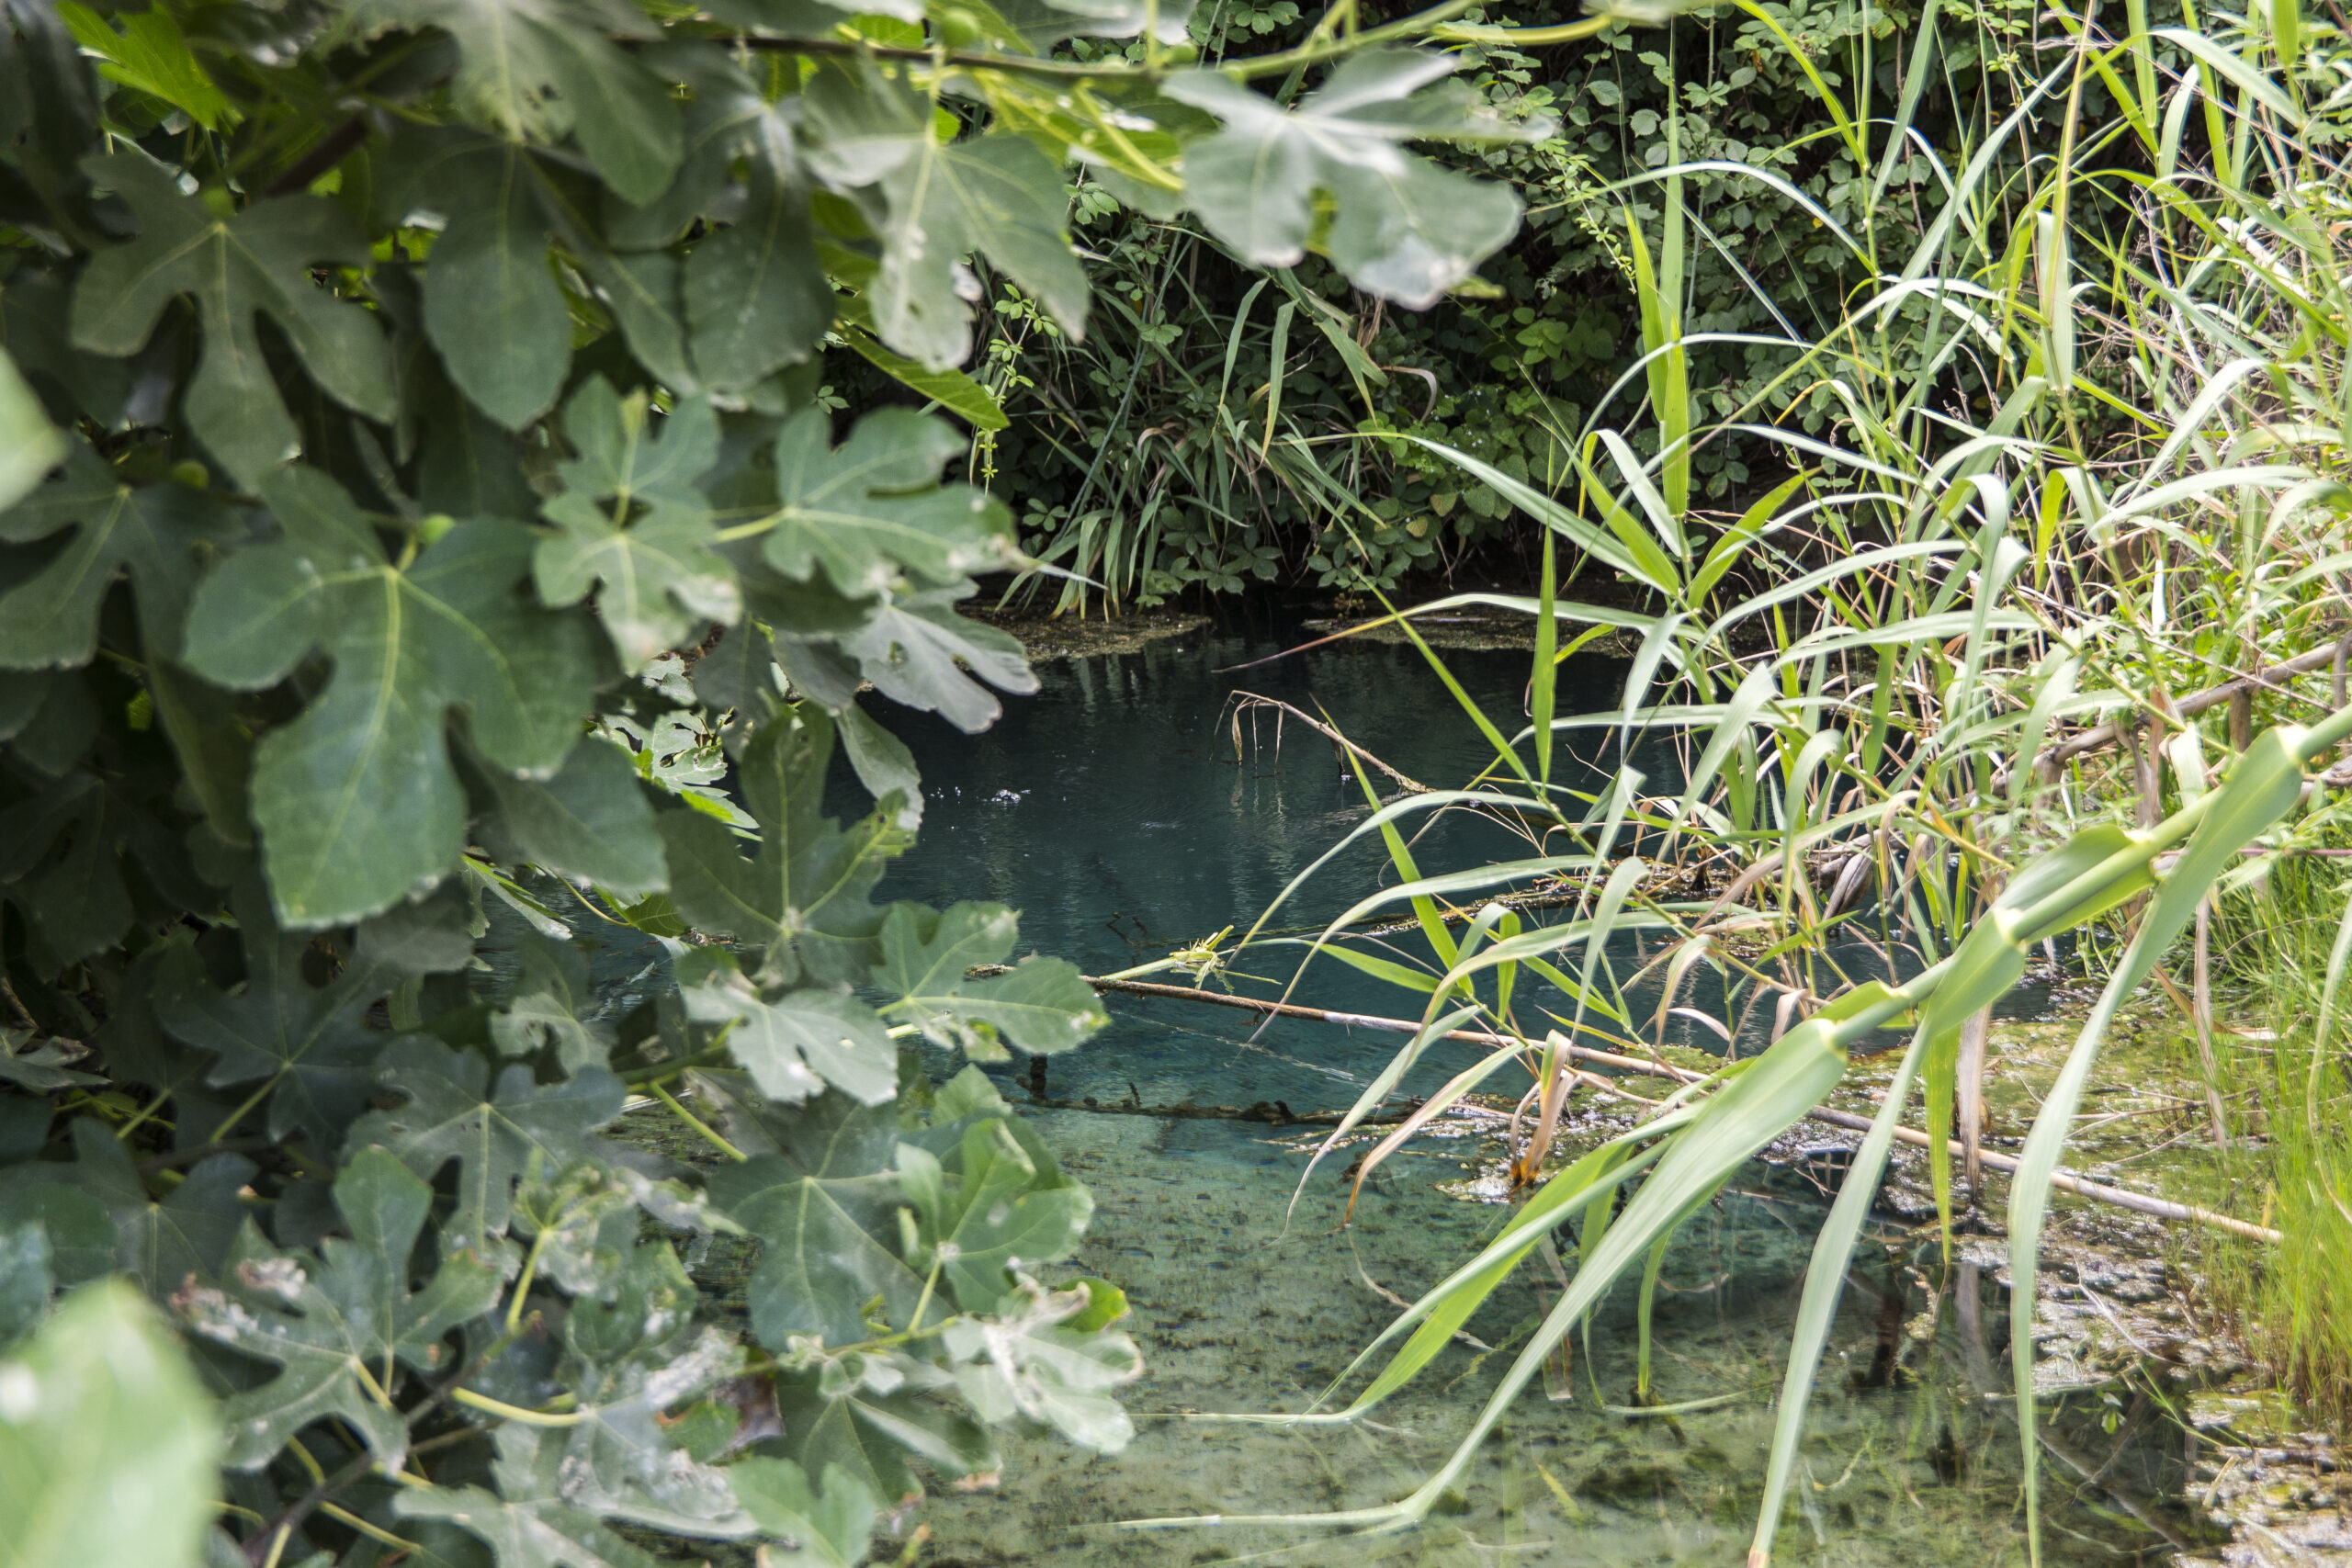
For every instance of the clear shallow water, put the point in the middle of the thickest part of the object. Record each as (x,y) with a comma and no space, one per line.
(1109,811)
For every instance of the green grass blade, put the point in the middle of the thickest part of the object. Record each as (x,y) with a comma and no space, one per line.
(1825,1281)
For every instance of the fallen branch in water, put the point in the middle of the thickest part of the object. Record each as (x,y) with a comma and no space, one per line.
(1244,702)
(2118,1197)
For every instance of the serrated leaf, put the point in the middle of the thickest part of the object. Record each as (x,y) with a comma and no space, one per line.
(98,1218)
(235,269)
(916,650)
(996,194)
(357,800)
(543,68)
(805,894)
(831,1530)
(1025,1360)
(795,1042)
(629,1361)
(526,1523)
(631,521)
(337,1324)
(1003,1206)
(312,1040)
(872,1436)
(493,1132)
(103,528)
(820,1203)
(1403,229)
(872,511)
(1043,1005)
(545,1010)
(108,1447)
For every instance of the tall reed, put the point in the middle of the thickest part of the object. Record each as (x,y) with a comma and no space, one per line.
(2042,634)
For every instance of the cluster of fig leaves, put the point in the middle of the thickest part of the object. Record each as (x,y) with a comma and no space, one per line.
(421,525)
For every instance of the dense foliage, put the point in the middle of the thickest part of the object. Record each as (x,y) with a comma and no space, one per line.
(398,395)
(1221,429)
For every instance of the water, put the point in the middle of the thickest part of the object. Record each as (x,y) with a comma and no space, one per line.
(1111,811)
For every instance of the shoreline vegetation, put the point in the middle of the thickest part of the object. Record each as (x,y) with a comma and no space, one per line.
(1943,411)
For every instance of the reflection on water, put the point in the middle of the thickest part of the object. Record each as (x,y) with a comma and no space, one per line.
(1111,812)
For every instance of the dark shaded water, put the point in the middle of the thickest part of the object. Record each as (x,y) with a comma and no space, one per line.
(1110,811)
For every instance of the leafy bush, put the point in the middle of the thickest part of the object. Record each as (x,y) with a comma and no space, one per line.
(422,528)
(1819,142)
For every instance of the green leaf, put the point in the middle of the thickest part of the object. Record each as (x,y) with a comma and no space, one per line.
(108,1447)
(40,1069)
(631,521)
(1025,1360)
(820,1203)
(871,1437)
(795,1043)
(805,895)
(336,1325)
(1004,1206)
(30,444)
(628,1362)
(917,651)
(1044,23)
(755,298)
(1043,1005)
(24,1278)
(491,306)
(275,1026)
(235,269)
(543,68)
(551,994)
(526,1522)
(996,194)
(882,762)
(1405,229)
(590,821)
(872,510)
(357,800)
(830,1532)
(159,1244)
(59,858)
(77,1237)
(951,389)
(454,1113)
(49,618)
(150,55)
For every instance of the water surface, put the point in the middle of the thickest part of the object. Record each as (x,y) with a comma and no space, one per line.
(1112,811)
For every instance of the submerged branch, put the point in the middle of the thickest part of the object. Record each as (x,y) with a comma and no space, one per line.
(2159,1208)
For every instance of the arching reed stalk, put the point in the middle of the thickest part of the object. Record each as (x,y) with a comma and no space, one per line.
(1935,689)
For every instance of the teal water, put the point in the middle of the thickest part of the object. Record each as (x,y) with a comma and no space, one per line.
(1111,811)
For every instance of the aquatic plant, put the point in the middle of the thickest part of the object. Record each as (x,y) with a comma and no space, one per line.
(418,493)
(1940,692)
